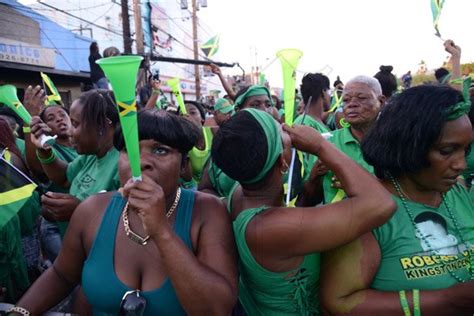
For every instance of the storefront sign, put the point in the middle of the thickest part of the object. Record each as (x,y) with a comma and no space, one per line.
(26,53)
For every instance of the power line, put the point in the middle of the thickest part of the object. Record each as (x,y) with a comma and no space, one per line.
(49,20)
(199,20)
(30,12)
(81,19)
(58,51)
(30,26)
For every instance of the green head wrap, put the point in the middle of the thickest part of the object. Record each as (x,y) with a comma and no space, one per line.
(459,109)
(252,91)
(274,143)
(223,105)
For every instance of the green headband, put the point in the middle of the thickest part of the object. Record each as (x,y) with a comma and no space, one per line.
(222,105)
(463,107)
(252,91)
(274,143)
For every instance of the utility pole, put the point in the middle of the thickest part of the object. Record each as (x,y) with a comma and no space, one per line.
(127,39)
(137,14)
(197,76)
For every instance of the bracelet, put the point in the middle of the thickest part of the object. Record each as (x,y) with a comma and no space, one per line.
(26,129)
(416,302)
(46,161)
(19,310)
(404,303)
(156,91)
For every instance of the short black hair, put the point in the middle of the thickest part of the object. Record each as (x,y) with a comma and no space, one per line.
(198,105)
(98,105)
(387,80)
(164,127)
(313,85)
(94,48)
(240,147)
(12,116)
(441,73)
(337,82)
(433,217)
(43,111)
(408,126)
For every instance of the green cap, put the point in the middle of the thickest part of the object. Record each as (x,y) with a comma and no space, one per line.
(223,105)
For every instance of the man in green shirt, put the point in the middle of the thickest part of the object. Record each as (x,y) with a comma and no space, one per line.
(315,91)
(363,99)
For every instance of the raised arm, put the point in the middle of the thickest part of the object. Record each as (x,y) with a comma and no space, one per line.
(227,87)
(313,192)
(455,52)
(347,274)
(300,231)
(155,94)
(33,101)
(54,168)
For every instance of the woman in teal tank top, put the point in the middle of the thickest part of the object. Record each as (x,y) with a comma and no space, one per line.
(421,261)
(279,246)
(151,236)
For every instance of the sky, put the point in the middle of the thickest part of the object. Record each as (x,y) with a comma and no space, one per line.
(338,37)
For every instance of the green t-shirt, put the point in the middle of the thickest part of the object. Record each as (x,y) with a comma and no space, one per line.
(263,292)
(345,142)
(89,175)
(66,154)
(407,262)
(307,159)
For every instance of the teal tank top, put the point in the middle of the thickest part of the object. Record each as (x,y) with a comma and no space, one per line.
(103,289)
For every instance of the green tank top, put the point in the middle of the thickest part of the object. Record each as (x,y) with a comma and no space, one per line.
(102,288)
(198,157)
(407,261)
(263,292)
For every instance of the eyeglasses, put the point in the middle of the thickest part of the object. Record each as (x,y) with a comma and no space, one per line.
(132,304)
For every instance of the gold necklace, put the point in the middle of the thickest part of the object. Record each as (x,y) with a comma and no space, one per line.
(134,236)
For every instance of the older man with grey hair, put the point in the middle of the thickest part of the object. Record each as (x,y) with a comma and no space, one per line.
(363,99)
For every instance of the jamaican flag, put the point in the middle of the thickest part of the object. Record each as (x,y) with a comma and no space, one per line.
(211,47)
(15,189)
(436,7)
(53,97)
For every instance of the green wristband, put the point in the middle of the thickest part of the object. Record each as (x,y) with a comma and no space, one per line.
(416,302)
(404,303)
(46,161)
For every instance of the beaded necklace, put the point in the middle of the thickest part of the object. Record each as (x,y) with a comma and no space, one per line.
(397,187)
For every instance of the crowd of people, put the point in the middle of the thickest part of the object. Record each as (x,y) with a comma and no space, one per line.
(380,217)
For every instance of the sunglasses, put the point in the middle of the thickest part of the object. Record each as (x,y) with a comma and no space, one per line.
(132,304)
